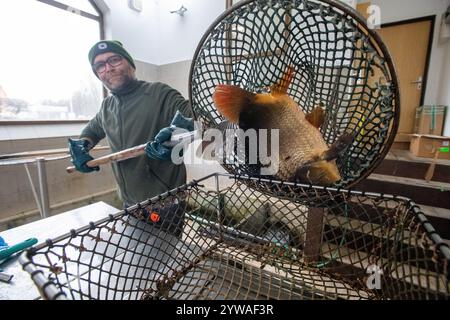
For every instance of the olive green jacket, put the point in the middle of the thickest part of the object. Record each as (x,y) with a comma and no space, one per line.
(134,118)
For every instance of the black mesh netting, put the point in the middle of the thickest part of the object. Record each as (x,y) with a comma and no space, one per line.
(338,62)
(232,242)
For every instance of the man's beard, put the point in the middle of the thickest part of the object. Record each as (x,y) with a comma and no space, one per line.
(126,80)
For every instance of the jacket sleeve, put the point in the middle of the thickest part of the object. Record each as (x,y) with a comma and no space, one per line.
(94,130)
(175,101)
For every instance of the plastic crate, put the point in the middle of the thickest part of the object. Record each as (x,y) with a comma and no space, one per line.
(244,238)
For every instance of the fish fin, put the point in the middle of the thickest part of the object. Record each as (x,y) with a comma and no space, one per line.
(230,100)
(337,147)
(282,86)
(316,117)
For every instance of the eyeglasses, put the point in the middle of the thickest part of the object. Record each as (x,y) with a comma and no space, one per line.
(113,61)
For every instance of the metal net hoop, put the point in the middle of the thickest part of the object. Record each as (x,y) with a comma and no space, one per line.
(339,63)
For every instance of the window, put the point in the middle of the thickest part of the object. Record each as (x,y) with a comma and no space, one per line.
(44,69)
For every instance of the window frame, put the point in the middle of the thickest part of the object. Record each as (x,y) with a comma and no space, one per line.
(65,7)
(85,14)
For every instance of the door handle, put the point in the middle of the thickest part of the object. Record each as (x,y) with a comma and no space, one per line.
(418,82)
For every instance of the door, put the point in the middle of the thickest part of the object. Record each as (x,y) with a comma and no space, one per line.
(408,43)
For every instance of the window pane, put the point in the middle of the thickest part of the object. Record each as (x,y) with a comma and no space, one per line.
(83,5)
(45,73)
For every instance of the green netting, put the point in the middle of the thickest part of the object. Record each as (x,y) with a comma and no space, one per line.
(337,60)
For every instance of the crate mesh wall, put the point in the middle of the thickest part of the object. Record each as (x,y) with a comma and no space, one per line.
(238,243)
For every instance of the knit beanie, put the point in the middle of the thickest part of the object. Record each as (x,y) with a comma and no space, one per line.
(109,46)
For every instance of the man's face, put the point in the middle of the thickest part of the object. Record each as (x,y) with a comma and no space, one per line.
(114,77)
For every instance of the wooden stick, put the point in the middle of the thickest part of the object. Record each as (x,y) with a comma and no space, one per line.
(39,153)
(430,171)
(314,229)
(118,156)
(135,151)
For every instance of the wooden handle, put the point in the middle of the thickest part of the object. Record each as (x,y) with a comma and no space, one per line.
(40,153)
(133,152)
(113,157)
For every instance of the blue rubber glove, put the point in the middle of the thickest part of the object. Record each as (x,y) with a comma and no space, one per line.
(80,155)
(155,149)
(3,244)
(180,121)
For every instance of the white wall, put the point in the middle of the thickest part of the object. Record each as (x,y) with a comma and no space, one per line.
(138,31)
(181,35)
(155,35)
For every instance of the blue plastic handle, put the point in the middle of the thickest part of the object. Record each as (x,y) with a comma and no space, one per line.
(6,253)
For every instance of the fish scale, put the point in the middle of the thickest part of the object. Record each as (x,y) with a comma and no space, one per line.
(298,141)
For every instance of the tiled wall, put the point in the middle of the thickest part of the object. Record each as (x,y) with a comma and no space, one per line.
(16,194)
(146,71)
(176,75)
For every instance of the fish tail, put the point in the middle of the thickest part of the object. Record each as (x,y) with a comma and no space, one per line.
(282,86)
(337,147)
(230,100)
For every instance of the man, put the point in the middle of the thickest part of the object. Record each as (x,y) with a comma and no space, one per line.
(136,112)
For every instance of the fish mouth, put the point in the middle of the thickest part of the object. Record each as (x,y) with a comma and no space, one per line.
(324,173)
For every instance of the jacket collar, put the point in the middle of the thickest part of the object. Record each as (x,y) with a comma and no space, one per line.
(130,87)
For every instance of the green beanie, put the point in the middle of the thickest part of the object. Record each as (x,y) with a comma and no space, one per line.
(109,46)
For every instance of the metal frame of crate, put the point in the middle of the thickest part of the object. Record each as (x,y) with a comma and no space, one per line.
(284,241)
